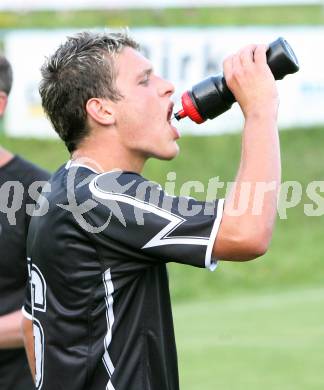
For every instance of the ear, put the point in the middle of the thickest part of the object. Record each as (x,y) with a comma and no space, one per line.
(3,102)
(100,110)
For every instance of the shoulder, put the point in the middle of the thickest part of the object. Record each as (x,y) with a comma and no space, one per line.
(29,172)
(116,182)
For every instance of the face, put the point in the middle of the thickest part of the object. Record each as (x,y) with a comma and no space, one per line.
(3,102)
(143,114)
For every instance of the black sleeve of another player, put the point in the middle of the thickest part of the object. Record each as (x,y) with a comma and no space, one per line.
(34,181)
(138,214)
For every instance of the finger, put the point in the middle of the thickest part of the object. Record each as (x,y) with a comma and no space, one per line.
(228,67)
(247,55)
(260,56)
(237,66)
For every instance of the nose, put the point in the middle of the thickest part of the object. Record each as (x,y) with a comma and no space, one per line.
(165,87)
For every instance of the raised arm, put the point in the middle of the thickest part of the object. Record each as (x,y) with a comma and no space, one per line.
(246,235)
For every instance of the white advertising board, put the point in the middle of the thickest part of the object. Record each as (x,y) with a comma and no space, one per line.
(15,5)
(184,56)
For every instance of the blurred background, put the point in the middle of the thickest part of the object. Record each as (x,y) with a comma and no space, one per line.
(245,326)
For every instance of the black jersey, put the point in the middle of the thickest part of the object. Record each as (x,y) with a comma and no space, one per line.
(18,181)
(100,296)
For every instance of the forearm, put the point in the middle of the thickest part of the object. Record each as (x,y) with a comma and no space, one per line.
(27,327)
(10,330)
(260,174)
(250,208)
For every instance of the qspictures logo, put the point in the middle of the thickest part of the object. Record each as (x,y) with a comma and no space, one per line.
(15,197)
(111,192)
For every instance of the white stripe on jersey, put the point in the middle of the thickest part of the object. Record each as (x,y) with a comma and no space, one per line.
(110,386)
(109,289)
(162,237)
(211,263)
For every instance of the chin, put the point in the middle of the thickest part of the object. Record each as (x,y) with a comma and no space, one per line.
(170,154)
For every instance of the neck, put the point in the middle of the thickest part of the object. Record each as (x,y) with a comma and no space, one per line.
(103,158)
(5,156)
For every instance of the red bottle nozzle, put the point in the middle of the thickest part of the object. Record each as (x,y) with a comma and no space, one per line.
(188,109)
(180,114)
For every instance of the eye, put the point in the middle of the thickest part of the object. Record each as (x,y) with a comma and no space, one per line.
(145,80)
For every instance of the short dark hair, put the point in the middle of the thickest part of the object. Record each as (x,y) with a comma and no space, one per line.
(80,69)
(5,75)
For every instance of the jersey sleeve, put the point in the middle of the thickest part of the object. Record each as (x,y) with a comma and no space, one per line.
(136,213)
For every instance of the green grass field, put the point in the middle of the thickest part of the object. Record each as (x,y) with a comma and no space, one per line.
(252,341)
(270,15)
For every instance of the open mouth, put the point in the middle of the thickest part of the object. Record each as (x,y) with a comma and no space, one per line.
(170,112)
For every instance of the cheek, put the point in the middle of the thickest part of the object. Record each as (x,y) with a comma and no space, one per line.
(136,112)
(132,127)
(148,107)
(142,121)
(128,115)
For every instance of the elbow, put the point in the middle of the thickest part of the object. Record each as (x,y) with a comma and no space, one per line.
(238,242)
(256,249)
(254,246)
(242,248)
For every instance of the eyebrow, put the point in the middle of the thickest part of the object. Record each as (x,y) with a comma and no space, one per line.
(145,72)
